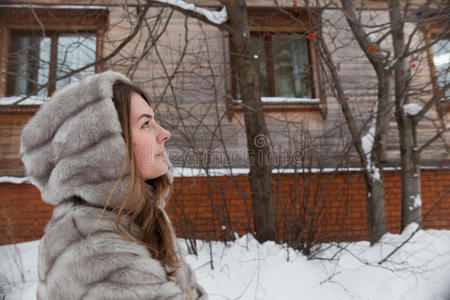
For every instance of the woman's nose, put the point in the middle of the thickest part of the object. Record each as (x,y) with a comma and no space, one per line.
(164,136)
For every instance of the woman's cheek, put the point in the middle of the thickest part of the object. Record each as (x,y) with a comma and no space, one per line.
(149,152)
(144,155)
(138,153)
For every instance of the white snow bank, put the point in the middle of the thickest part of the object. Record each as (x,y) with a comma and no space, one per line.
(217,17)
(412,109)
(248,270)
(18,271)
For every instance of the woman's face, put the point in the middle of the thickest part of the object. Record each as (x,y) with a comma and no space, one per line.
(148,139)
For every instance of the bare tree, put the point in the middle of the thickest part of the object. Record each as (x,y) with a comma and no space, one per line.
(386,60)
(258,141)
(369,135)
(371,146)
(408,119)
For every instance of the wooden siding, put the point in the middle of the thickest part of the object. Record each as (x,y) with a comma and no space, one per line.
(11,124)
(203,87)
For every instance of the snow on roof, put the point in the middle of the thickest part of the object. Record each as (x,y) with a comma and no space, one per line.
(29,100)
(217,17)
(412,109)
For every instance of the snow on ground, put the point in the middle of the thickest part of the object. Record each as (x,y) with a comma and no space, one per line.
(248,270)
(18,270)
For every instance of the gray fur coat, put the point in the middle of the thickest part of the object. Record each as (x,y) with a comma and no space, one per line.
(73,152)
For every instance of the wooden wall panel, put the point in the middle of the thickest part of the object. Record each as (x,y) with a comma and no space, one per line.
(11,125)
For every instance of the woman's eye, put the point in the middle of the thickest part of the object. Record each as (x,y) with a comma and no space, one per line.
(145,125)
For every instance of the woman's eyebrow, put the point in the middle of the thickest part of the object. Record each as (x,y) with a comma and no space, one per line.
(145,115)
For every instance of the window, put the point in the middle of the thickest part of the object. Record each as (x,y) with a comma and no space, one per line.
(44,44)
(40,59)
(288,72)
(441,63)
(435,26)
(283,64)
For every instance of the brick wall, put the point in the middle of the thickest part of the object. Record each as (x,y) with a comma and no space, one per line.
(23,214)
(322,205)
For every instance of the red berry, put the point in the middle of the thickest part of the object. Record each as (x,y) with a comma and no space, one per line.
(311,35)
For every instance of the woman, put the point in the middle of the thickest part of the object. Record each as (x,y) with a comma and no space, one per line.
(96,153)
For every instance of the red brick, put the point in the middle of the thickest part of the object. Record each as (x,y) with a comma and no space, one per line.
(24,214)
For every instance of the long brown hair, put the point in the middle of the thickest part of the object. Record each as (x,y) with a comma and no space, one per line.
(143,202)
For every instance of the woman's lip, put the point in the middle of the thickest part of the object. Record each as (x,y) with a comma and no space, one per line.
(161,154)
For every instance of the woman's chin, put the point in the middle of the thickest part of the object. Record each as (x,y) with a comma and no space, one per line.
(157,173)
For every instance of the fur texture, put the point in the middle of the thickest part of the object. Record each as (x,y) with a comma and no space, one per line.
(73,151)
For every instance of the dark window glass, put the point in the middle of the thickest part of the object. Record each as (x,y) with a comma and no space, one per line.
(283,65)
(34,60)
(291,66)
(441,60)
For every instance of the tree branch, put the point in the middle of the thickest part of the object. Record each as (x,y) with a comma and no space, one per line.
(193,12)
(375,57)
(432,101)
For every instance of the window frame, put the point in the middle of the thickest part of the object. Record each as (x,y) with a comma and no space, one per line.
(259,24)
(431,29)
(54,36)
(53,20)
(270,66)
(441,104)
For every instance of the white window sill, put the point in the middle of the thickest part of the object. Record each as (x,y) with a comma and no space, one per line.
(283,100)
(24,100)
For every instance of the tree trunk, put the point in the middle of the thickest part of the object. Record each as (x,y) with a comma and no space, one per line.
(409,156)
(258,141)
(372,161)
(410,173)
(376,211)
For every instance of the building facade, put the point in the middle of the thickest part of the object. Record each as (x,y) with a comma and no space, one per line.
(188,69)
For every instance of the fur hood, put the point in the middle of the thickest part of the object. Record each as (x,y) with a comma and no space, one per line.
(73,145)
(73,151)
